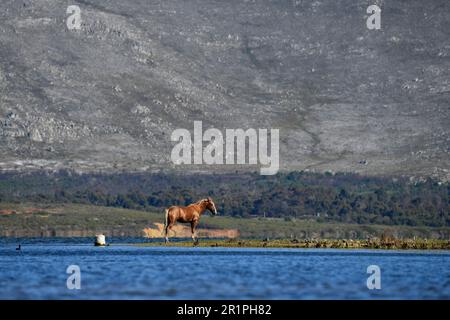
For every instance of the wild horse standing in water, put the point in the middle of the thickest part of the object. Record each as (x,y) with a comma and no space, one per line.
(190,214)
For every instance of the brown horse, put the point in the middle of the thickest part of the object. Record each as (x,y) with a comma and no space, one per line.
(190,214)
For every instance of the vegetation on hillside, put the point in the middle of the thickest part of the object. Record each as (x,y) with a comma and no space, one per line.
(343,198)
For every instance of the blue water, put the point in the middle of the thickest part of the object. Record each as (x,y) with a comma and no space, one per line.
(125,271)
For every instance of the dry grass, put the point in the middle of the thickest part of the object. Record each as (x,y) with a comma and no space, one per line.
(395,244)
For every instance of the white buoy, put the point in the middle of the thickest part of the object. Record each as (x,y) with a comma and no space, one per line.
(100,240)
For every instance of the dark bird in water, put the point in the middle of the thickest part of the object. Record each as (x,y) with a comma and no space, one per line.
(18,248)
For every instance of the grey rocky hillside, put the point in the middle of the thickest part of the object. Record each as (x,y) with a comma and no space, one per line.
(108,96)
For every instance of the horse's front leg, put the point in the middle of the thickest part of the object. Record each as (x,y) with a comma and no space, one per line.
(193,225)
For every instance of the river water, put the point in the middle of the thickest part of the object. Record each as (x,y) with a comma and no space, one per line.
(126,271)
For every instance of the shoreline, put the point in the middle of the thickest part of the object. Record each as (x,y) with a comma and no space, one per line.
(394,244)
(371,244)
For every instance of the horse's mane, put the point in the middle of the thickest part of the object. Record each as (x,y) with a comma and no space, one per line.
(198,202)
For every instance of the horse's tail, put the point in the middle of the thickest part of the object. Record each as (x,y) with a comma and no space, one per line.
(166,221)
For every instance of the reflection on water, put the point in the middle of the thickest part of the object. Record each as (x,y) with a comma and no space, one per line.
(123,271)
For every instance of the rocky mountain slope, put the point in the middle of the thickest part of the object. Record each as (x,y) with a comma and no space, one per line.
(108,96)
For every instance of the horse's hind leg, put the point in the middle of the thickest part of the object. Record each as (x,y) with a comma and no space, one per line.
(166,234)
(168,229)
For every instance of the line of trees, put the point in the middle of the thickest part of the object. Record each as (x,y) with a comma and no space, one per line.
(347,198)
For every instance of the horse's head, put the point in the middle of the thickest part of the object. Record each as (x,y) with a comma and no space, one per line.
(210,205)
